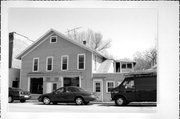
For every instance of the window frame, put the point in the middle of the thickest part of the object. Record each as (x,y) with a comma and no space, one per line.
(47,63)
(107,85)
(96,87)
(124,65)
(51,39)
(84,61)
(62,62)
(129,64)
(33,64)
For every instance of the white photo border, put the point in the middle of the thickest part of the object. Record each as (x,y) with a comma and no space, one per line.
(168,57)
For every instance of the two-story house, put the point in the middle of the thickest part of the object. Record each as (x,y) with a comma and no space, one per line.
(54,61)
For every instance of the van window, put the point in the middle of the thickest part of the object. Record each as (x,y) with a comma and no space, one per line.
(129,84)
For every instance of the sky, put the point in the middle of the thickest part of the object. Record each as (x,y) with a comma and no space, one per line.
(130,30)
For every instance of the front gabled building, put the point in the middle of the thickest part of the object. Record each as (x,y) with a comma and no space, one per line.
(54,61)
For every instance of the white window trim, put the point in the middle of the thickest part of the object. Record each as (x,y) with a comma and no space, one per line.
(51,39)
(107,85)
(47,63)
(62,62)
(33,64)
(84,61)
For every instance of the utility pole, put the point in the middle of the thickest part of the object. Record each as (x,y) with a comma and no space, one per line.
(72,30)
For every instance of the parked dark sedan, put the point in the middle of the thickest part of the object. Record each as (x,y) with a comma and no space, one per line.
(18,94)
(67,94)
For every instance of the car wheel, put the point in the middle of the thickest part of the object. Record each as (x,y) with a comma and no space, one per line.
(46,100)
(120,101)
(79,101)
(10,99)
(22,101)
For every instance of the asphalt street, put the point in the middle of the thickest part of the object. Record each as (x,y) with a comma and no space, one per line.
(93,107)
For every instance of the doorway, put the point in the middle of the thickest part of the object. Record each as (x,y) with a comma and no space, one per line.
(98,89)
(36,85)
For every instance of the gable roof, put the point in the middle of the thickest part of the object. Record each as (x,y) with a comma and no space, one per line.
(49,32)
(104,67)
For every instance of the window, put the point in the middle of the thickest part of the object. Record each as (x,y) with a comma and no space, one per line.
(15,84)
(129,65)
(53,39)
(123,66)
(97,87)
(49,64)
(64,63)
(35,64)
(60,90)
(109,86)
(69,90)
(81,61)
(129,84)
(117,66)
(54,86)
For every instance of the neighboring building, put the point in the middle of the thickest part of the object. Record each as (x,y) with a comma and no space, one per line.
(17,43)
(54,61)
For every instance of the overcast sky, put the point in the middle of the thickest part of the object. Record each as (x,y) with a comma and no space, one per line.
(130,30)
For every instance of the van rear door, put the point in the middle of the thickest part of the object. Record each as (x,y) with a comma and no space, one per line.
(145,88)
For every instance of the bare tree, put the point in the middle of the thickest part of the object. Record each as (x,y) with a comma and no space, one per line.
(94,40)
(151,56)
(145,60)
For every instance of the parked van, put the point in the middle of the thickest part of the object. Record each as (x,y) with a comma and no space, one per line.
(136,87)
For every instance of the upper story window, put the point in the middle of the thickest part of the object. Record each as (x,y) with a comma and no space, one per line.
(81,61)
(35,64)
(53,39)
(129,65)
(109,86)
(123,66)
(64,62)
(49,64)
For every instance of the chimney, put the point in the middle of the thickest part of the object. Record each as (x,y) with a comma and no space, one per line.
(84,42)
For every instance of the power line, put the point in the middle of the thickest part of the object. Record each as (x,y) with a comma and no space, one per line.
(23,36)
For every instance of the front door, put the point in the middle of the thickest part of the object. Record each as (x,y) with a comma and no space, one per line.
(98,89)
(36,86)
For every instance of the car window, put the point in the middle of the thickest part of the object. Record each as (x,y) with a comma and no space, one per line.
(60,90)
(130,84)
(71,90)
(80,89)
